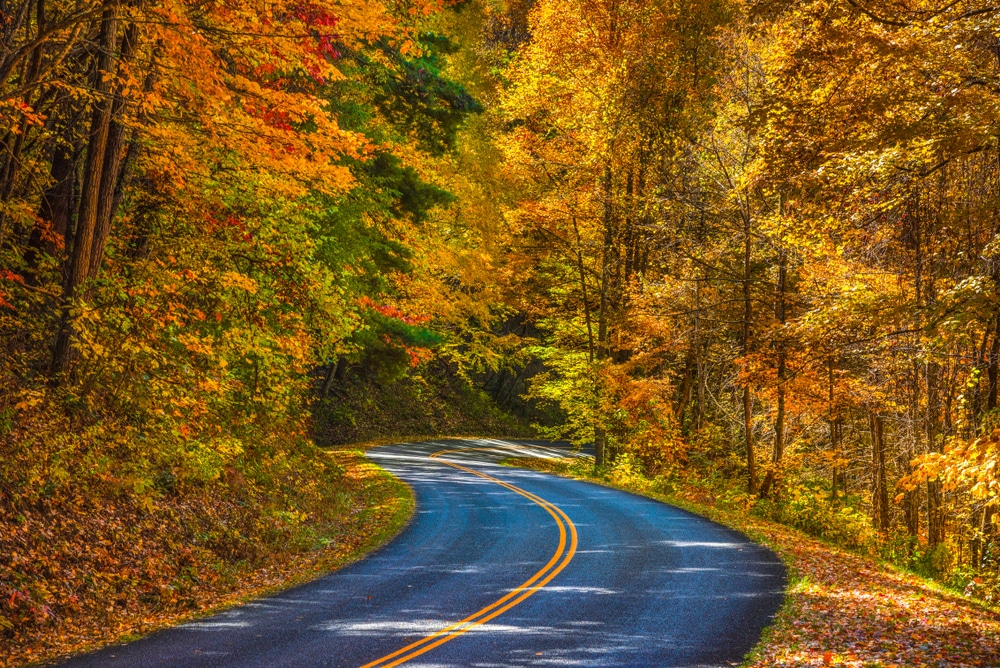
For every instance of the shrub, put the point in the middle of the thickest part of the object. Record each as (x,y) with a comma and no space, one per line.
(809,509)
(627,472)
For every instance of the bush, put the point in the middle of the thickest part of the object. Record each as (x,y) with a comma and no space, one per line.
(939,560)
(810,510)
(627,472)
(983,585)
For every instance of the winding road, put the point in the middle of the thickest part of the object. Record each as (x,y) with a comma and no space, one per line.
(501,567)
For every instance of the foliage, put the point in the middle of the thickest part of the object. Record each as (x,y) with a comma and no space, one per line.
(809,509)
(760,242)
(96,561)
(747,249)
(426,405)
(213,219)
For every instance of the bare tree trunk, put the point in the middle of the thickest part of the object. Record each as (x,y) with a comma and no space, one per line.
(925,296)
(779,418)
(684,397)
(880,490)
(335,373)
(113,153)
(747,398)
(988,531)
(911,512)
(583,289)
(992,366)
(86,226)
(600,443)
(603,326)
(935,506)
(834,423)
(975,543)
(699,357)
(911,498)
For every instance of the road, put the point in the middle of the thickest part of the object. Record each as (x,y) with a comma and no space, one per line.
(501,567)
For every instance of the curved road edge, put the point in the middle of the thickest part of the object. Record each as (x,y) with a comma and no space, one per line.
(652,584)
(706,512)
(290,578)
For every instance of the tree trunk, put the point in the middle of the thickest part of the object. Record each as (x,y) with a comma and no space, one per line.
(911,498)
(600,440)
(604,314)
(779,418)
(911,512)
(699,357)
(86,225)
(988,531)
(834,425)
(13,145)
(335,373)
(747,398)
(880,489)
(992,366)
(684,397)
(975,543)
(935,506)
(54,212)
(114,150)
(607,286)
(583,289)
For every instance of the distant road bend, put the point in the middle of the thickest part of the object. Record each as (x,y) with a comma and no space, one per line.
(501,567)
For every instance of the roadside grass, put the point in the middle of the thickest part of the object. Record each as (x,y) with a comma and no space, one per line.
(841,608)
(356,507)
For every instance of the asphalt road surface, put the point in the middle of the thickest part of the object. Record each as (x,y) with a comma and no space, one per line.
(501,567)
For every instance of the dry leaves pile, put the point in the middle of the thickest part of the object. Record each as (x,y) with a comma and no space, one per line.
(846,610)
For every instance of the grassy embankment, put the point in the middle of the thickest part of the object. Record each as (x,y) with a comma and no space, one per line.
(412,408)
(86,569)
(842,608)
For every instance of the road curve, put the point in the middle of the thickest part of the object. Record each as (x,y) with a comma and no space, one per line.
(501,567)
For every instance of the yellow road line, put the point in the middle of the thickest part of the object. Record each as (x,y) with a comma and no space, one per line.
(562,556)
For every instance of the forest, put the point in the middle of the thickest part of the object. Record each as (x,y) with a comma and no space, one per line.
(749,249)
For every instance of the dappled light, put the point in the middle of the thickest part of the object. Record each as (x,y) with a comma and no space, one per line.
(862,613)
(499,333)
(475,546)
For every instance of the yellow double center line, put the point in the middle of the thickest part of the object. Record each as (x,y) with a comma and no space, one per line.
(562,556)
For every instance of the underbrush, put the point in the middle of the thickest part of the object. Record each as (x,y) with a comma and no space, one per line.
(429,405)
(809,510)
(124,508)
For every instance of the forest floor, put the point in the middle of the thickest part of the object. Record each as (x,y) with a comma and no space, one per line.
(842,609)
(364,507)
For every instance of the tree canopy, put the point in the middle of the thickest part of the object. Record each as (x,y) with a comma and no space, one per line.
(748,243)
